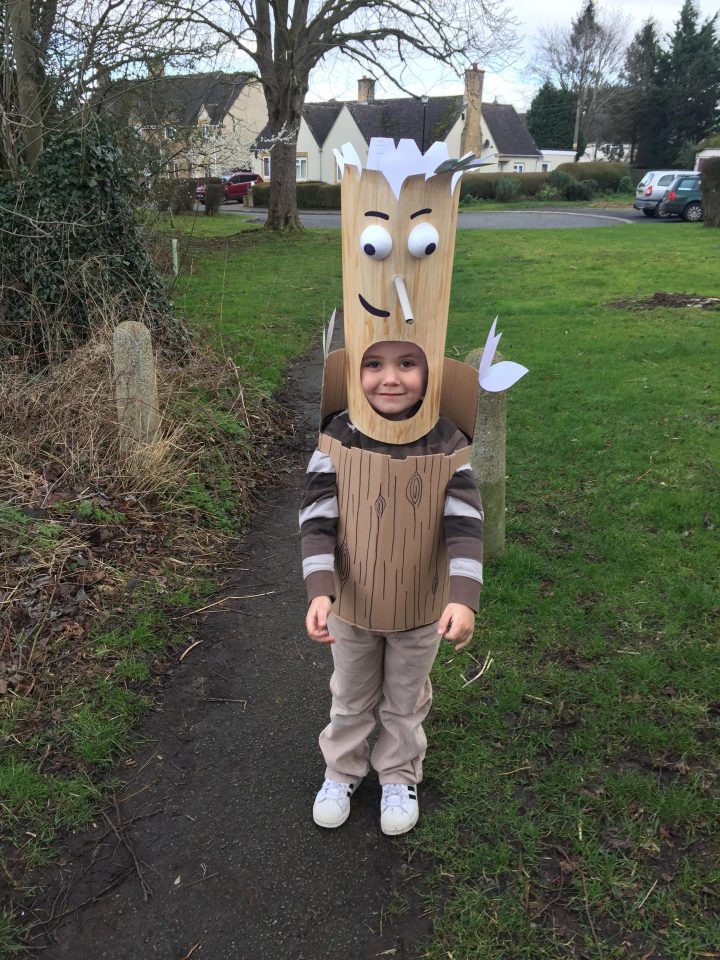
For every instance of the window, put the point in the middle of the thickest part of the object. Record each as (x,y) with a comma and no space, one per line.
(518,168)
(266,168)
(544,167)
(301,168)
(170,133)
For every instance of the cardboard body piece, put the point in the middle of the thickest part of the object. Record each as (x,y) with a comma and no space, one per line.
(400,230)
(391,564)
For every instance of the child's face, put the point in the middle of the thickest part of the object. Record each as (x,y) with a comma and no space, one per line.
(393,377)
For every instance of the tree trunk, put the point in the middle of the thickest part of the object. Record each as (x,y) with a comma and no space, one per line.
(27,67)
(285,125)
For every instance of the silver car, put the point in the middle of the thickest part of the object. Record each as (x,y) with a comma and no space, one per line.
(651,190)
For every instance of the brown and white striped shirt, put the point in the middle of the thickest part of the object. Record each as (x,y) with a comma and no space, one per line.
(462,517)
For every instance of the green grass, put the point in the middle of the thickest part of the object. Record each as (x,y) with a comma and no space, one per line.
(580,774)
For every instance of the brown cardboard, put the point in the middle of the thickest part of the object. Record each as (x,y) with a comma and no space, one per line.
(426,279)
(391,564)
(458,397)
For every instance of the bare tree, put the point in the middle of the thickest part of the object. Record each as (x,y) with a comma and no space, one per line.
(286,41)
(55,52)
(584,57)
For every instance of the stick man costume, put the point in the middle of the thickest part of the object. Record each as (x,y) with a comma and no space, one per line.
(391,521)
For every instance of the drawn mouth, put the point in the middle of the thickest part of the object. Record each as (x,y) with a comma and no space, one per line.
(373,310)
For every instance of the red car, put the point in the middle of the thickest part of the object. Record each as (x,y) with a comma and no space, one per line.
(235,186)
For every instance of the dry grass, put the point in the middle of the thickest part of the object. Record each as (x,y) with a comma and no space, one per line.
(82,518)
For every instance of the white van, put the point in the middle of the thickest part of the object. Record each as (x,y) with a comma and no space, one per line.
(651,190)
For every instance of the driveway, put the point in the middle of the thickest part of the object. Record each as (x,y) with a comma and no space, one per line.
(477,220)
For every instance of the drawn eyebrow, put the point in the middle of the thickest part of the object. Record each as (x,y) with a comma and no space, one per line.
(376,213)
(419,213)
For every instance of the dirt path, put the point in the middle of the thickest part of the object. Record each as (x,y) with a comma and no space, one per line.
(223,791)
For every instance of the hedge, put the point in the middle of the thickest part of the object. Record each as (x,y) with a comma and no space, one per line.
(483,186)
(311,195)
(607,175)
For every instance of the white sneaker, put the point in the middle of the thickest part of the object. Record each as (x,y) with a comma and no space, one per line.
(332,804)
(399,810)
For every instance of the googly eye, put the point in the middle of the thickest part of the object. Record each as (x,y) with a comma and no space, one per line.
(376,242)
(423,240)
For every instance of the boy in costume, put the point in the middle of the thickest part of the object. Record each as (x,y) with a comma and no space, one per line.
(391,520)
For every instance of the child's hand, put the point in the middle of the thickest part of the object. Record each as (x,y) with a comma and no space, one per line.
(316,620)
(457,624)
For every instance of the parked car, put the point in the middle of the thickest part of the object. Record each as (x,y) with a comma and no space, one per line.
(235,186)
(683,198)
(652,187)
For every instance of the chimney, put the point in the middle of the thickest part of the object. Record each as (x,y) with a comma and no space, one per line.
(366,89)
(472,131)
(155,68)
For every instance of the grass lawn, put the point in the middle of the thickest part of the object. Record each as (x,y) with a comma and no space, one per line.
(580,773)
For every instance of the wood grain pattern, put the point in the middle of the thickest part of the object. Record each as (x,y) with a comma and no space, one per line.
(391,566)
(427,281)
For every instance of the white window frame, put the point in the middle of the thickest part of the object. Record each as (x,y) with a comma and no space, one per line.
(266,168)
(544,167)
(299,163)
(518,168)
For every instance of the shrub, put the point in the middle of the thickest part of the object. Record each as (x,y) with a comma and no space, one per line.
(483,186)
(182,198)
(57,283)
(559,179)
(316,195)
(625,184)
(507,189)
(261,194)
(607,175)
(214,197)
(710,182)
(549,193)
(579,190)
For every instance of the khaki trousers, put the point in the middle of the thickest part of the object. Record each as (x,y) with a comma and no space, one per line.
(389,672)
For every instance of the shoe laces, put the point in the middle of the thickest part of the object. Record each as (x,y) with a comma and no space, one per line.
(335,789)
(394,794)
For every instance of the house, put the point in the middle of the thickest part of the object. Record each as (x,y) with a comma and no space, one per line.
(203,123)
(464,122)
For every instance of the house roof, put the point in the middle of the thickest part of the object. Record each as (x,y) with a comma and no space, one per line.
(403,118)
(320,117)
(508,131)
(176,99)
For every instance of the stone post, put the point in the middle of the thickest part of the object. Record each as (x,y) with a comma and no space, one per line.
(135,384)
(488,462)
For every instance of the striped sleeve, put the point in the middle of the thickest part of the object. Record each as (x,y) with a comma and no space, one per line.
(463,525)
(318,525)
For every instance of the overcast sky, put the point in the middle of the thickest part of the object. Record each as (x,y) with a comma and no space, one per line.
(511,85)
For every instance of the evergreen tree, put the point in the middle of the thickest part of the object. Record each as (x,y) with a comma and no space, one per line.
(637,111)
(689,82)
(551,118)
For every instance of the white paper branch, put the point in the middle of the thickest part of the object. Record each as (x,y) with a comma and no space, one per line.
(495,377)
(502,375)
(328,335)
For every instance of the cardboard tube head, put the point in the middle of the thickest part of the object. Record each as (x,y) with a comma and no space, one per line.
(398,243)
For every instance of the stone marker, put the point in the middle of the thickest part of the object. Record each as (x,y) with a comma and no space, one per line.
(135,383)
(488,462)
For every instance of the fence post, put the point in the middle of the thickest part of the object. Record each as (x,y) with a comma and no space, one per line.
(135,384)
(488,462)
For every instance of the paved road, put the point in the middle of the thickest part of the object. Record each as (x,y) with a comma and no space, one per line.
(500,220)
